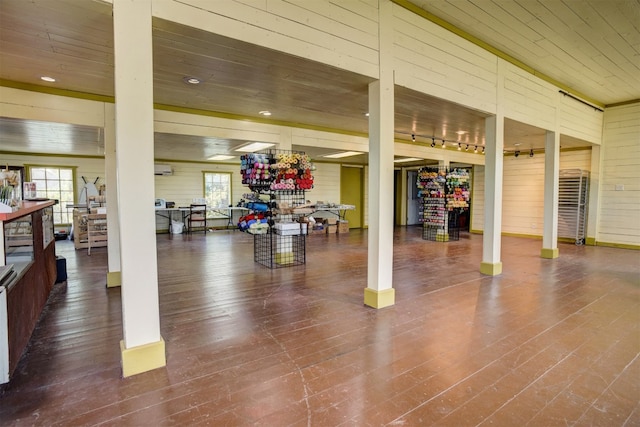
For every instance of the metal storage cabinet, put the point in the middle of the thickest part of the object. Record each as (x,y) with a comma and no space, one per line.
(573,195)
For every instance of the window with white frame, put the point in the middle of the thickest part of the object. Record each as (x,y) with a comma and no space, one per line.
(55,182)
(217,189)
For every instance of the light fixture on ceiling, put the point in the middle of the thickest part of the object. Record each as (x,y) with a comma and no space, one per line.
(475,149)
(406,159)
(265,113)
(190,80)
(442,146)
(366,114)
(459,147)
(48,79)
(254,146)
(516,153)
(433,142)
(342,154)
(482,150)
(413,137)
(531,153)
(466,148)
(221,157)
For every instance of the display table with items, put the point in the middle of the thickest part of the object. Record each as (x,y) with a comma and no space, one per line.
(28,271)
(278,180)
(445,195)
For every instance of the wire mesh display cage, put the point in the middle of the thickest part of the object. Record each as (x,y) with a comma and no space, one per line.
(276,251)
(448,232)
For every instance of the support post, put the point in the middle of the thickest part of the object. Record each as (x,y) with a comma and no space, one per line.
(379,292)
(113,222)
(142,348)
(551,184)
(494,165)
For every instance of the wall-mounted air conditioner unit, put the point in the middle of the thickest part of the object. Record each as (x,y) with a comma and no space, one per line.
(162,170)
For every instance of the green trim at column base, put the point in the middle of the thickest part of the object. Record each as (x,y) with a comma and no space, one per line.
(143,358)
(491,269)
(114,279)
(379,299)
(590,241)
(548,253)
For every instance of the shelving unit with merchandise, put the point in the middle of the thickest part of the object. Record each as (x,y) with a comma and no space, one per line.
(278,180)
(573,193)
(444,195)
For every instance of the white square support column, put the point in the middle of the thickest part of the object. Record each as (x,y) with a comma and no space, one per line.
(594,196)
(142,348)
(551,186)
(379,292)
(113,223)
(494,165)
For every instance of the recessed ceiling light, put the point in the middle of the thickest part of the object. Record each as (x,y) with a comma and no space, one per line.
(254,146)
(342,154)
(220,157)
(366,114)
(406,159)
(265,113)
(48,79)
(461,132)
(191,80)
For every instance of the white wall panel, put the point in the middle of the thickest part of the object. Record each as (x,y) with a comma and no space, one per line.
(25,104)
(432,60)
(620,184)
(90,168)
(579,120)
(477,199)
(187,183)
(576,159)
(529,99)
(339,33)
(523,195)
(191,124)
(315,138)
(326,183)
(523,191)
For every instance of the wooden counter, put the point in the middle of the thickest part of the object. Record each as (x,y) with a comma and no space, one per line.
(24,298)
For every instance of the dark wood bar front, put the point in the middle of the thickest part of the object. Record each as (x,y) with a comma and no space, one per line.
(27,294)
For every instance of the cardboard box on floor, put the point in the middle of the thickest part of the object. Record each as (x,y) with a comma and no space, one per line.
(343,226)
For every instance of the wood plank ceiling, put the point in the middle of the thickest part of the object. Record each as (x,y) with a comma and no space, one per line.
(586,45)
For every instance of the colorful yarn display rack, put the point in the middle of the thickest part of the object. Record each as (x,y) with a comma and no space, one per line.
(292,172)
(276,171)
(255,170)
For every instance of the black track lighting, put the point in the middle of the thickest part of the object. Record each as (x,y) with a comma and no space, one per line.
(531,153)
(467,148)
(459,146)
(442,143)
(516,153)
(475,149)
(482,150)
(433,142)
(413,137)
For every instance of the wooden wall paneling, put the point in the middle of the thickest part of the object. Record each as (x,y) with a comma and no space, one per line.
(435,61)
(529,99)
(580,121)
(50,108)
(263,28)
(523,194)
(620,180)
